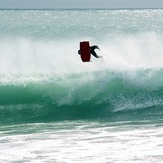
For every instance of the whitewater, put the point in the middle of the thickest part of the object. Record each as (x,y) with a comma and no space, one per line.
(55,108)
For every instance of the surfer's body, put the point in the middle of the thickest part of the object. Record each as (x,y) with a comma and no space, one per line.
(92,51)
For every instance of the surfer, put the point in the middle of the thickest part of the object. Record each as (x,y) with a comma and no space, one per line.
(92,51)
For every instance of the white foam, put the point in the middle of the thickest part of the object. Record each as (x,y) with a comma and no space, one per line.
(134,52)
(42,56)
(82,142)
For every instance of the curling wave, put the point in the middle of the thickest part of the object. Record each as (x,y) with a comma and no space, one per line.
(100,95)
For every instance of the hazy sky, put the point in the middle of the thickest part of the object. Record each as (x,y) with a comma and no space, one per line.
(81,3)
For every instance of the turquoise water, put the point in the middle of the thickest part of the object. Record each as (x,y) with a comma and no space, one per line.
(55,108)
(104,96)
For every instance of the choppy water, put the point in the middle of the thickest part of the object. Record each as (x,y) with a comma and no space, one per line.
(55,108)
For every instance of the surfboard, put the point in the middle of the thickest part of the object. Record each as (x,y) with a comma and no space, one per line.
(85,51)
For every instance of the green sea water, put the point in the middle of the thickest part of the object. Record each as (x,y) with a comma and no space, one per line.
(55,108)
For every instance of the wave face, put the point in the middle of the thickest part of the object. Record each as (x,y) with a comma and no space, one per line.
(42,78)
(101,95)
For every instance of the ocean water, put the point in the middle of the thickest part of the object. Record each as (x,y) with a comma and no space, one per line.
(55,108)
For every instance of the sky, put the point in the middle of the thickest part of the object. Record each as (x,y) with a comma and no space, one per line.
(68,4)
